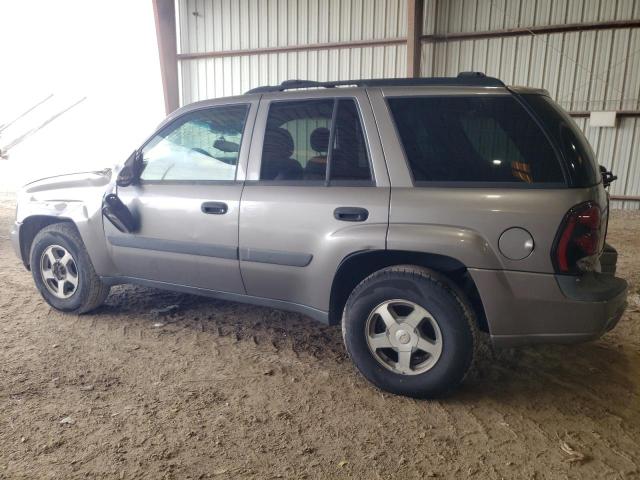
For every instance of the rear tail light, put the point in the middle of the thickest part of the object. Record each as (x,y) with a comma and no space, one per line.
(578,239)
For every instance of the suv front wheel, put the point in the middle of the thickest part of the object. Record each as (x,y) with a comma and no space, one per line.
(63,272)
(409,331)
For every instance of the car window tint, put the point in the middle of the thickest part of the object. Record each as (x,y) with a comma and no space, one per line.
(296,144)
(349,160)
(201,145)
(576,149)
(288,152)
(464,139)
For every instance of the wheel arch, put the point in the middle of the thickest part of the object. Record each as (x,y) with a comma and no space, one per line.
(30,228)
(34,215)
(357,266)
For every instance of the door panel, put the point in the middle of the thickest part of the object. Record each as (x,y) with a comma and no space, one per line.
(177,242)
(291,244)
(295,227)
(187,202)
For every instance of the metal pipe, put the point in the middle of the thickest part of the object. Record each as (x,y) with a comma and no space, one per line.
(4,150)
(619,113)
(536,30)
(626,198)
(29,110)
(294,48)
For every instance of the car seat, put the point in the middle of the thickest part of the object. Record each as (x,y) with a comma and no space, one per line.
(277,163)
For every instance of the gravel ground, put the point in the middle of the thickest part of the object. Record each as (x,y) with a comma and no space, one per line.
(213,389)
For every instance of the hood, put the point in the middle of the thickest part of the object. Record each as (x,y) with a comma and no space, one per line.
(68,181)
(75,196)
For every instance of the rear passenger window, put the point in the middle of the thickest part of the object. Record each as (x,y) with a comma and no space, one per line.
(302,143)
(463,139)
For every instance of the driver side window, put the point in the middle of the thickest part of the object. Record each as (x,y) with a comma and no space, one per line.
(199,146)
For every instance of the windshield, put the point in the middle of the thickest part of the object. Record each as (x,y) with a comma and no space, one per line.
(579,157)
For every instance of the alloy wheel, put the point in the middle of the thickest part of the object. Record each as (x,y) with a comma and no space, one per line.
(59,271)
(403,337)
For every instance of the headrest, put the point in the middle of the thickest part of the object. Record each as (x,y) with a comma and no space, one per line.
(278,143)
(320,140)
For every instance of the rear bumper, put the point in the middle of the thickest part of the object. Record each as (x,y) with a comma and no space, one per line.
(525,308)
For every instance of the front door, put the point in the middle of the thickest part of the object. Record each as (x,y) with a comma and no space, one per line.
(187,201)
(317,190)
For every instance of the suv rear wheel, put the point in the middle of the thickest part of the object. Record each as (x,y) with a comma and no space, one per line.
(63,272)
(410,331)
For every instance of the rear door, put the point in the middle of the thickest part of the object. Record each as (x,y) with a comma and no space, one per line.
(317,190)
(188,200)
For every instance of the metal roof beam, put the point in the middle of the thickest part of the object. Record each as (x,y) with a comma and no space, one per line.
(414,32)
(165,18)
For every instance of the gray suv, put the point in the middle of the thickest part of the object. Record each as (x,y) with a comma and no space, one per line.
(416,213)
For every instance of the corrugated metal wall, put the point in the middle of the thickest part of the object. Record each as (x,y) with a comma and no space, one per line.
(591,70)
(583,71)
(221,25)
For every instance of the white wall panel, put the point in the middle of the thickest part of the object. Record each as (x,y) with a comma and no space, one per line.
(594,70)
(220,77)
(227,25)
(455,16)
(221,25)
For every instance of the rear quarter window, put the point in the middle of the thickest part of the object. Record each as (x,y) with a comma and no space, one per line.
(578,154)
(474,139)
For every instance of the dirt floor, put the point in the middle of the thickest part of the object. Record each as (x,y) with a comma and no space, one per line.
(214,389)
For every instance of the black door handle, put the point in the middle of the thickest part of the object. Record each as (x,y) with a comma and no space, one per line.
(351,214)
(214,208)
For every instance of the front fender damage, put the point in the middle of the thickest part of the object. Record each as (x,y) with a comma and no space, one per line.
(75,198)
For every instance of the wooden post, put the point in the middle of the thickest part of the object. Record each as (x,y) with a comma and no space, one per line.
(414,32)
(165,18)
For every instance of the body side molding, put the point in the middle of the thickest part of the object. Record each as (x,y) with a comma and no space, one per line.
(275,257)
(174,246)
(314,313)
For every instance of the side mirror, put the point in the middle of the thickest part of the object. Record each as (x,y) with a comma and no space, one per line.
(607,176)
(130,172)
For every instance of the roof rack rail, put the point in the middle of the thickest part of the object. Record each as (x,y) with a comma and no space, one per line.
(466,79)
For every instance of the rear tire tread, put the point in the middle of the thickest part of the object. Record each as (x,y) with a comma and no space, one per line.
(441,282)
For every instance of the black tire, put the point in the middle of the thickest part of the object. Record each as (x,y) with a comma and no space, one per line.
(90,292)
(448,307)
